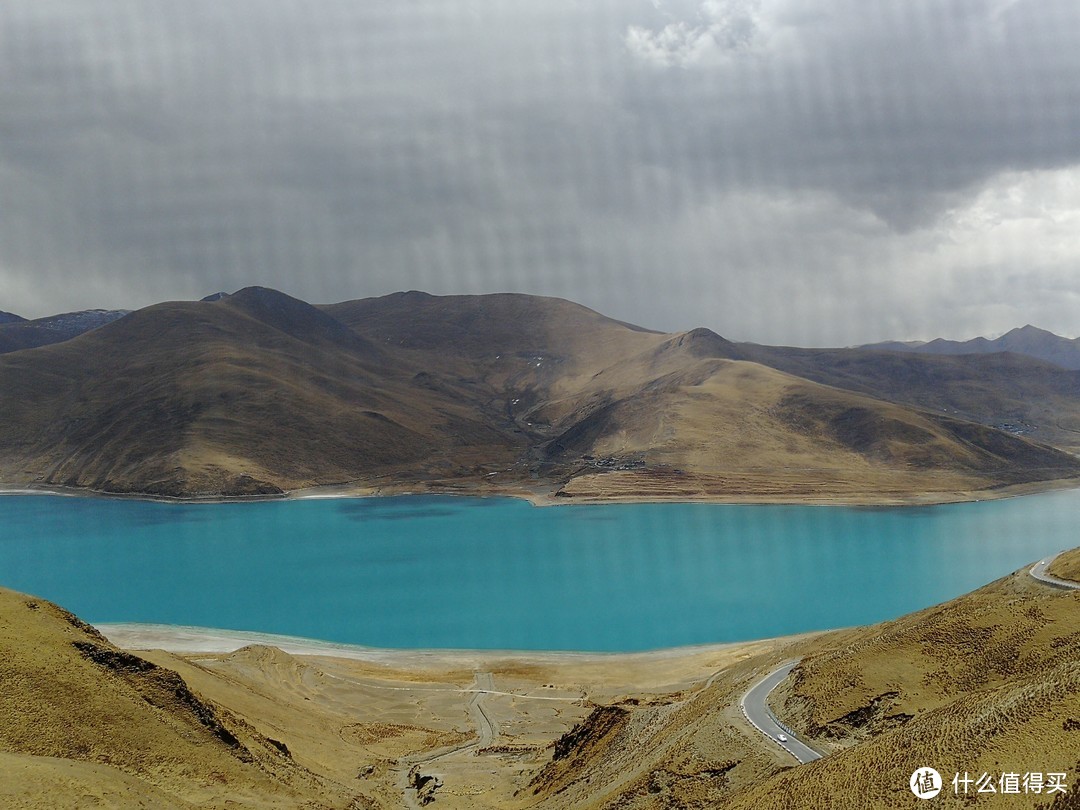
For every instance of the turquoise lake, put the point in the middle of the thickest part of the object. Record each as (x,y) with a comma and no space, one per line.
(449,572)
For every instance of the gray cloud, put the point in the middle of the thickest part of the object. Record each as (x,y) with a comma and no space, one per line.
(858,172)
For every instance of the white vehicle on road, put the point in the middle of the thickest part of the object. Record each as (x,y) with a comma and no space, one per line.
(781,737)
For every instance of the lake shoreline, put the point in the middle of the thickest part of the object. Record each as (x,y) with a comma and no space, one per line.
(540,497)
(185,640)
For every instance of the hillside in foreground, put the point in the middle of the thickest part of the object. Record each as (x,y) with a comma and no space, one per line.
(258,393)
(85,724)
(986,683)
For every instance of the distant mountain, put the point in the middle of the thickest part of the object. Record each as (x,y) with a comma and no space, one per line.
(8,317)
(20,333)
(895,345)
(258,392)
(1028,340)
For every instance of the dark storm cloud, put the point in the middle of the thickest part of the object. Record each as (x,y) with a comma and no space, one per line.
(768,169)
(894,106)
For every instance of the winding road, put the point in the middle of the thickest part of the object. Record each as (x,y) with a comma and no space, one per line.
(757,712)
(755,708)
(1038,571)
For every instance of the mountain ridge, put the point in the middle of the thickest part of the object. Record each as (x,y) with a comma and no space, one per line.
(1027,340)
(259,393)
(18,333)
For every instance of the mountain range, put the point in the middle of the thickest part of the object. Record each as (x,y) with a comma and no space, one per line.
(1028,340)
(259,393)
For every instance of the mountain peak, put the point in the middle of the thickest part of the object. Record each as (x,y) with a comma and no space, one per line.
(1028,329)
(262,297)
(293,317)
(702,342)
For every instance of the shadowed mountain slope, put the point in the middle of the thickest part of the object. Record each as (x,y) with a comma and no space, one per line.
(251,394)
(1021,395)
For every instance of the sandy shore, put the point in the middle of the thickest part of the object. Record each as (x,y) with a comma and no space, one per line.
(187,640)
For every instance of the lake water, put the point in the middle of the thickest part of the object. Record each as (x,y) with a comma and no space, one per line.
(450,572)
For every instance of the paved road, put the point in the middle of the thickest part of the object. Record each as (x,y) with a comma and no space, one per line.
(486,732)
(1038,570)
(486,729)
(756,710)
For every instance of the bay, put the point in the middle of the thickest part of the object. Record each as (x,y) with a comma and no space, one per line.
(449,572)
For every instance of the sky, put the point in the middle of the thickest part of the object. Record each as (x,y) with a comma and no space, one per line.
(819,173)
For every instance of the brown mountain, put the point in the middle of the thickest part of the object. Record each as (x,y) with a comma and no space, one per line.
(257,392)
(674,416)
(250,394)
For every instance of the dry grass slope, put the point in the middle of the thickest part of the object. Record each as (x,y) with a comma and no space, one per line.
(1066,566)
(78,713)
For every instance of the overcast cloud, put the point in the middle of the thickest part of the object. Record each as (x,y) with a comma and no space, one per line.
(817,173)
